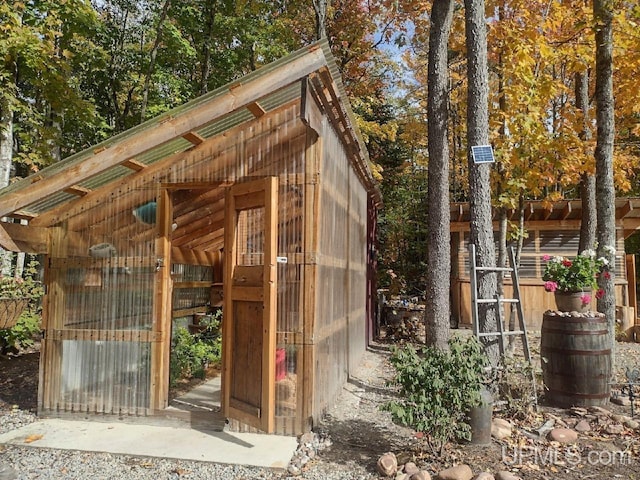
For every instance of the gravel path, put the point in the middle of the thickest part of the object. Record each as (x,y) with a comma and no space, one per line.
(358,433)
(357,430)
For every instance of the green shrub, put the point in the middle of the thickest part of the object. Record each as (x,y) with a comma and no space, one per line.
(437,389)
(191,354)
(22,334)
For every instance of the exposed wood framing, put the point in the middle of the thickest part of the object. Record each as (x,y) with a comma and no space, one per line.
(77,190)
(23,238)
(133,164)
(256,109)
(193,137)
(160,351)
(147,138)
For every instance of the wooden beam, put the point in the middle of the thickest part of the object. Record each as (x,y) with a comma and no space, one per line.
(547,213)
(134,165)
(193,138)
(256,109)
(77,190)
(566,211)
(624,210)
(23,215)
(23,238)
(78,206)
(201,112)
(528,211)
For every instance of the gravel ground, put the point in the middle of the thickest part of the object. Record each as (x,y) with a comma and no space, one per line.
(357,430)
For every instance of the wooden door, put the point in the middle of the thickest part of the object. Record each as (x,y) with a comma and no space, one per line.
(249,328)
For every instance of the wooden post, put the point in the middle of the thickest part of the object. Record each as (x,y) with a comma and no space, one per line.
(161,349)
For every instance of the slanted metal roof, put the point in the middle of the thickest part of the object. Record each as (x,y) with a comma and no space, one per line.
(45,190)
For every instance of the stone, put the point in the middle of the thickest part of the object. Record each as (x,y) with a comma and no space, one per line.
(500,428)
(484,476)
(582,426)
(421,475)
(619,418)
(410,468)
(307,438)
(600,411)
(294,470)
(632,424)
(563,435)
(404,457)
(7,473)
(624,401)
(402,476)
(504,475)
(459,472)
(614,429)
(387,464)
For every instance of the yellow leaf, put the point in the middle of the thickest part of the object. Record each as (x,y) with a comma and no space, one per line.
(32,438)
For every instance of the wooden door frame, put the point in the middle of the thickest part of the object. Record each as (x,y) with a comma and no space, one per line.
(246,193)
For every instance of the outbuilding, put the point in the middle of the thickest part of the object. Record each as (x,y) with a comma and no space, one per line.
(256,198)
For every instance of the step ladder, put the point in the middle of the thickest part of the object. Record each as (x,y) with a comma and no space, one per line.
(500,302)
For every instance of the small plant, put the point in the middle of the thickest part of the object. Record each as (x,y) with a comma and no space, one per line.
(191,354)
(22,334)
(437,389)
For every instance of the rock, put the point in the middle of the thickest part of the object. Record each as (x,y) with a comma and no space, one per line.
(619,418)
(294,470)
(632,424)
(7,473)
(504,475)
(307,438)
(579,411)
(459,472)
(624,401)
(402,476)
(614,429)
(404,457)
(563,435)
(387,464)
(421,475)
(582,426)
(600,411)
(484,476)
(500,428)
(410,468)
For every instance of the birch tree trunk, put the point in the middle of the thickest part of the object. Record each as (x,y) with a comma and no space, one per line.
(437,309)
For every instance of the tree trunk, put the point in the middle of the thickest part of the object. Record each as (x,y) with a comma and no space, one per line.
(205,70)
(6,147)
(438,309)
(605,192)
(320,8)
(152,60)
(588,181)
(479,182)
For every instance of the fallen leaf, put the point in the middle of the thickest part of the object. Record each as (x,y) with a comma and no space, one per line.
(32,438)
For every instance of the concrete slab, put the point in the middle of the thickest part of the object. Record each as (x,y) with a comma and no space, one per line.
(260,450)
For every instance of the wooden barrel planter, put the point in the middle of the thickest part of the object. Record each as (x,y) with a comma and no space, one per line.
(575,353)
(10,311)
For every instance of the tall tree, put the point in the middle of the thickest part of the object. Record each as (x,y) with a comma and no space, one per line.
(605,191)
(437,309)
(479,183)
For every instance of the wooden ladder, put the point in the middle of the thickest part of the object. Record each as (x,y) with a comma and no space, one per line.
(499,301)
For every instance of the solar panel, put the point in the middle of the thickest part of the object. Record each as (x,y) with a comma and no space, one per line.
(482,154)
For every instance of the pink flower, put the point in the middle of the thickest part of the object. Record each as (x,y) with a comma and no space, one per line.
(550,286)
(546,257)
(600,293)
(586,298)
(606,275)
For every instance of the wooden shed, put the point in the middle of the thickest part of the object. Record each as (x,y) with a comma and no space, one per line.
(256,198)
(552,229)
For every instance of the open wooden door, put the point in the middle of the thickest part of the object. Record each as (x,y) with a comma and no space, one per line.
(249,328)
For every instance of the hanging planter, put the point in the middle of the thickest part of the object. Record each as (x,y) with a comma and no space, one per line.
(10,311)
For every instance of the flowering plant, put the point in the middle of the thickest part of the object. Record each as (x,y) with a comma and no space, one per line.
(577,275)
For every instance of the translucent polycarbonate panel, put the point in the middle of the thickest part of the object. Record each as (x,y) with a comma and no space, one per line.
(105,377)
(250,237)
